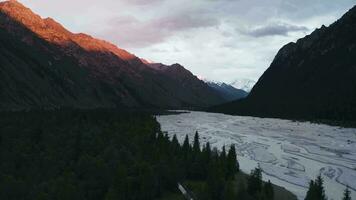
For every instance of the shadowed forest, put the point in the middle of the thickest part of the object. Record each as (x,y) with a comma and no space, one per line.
(111,155)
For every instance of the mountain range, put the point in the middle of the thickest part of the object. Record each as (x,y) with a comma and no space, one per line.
(243,84)
(227,91)
(44,65)
(313,78)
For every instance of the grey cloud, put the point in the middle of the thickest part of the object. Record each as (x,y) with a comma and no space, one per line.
(302,9)
(150,28)
(183,22)
(142,2)
(131,32)
(158,50)
(127,31)
(280,29)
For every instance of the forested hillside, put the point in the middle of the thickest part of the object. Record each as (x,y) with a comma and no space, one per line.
(111,155)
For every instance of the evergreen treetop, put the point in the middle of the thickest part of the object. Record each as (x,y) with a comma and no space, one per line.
(347,194)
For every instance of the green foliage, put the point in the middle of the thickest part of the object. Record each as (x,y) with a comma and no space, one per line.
(12,188)
(242,190)
(86,155)
(230,191)
(316,190)
(232,164)
(109,155)
(312,192)
(254,185)
(268,191)
(186,146)
(215,181)
(196,145)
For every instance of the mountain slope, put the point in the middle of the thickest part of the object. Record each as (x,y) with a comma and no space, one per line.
(313,78)
(43,65)
(229,92)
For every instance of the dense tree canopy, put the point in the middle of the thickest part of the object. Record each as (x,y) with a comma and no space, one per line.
(110,155)
(102,155)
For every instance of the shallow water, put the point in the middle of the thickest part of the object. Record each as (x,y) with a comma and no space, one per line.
(289,153)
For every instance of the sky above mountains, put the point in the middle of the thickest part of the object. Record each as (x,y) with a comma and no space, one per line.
(219,40)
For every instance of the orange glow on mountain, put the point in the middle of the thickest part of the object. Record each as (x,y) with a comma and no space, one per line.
(53,32)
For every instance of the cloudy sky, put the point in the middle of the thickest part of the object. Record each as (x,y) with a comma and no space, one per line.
(219,40)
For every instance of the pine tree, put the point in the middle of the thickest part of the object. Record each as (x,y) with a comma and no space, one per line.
(254,185)
(205,160)
(196,145)
(316,190)
(311,193)
(215,182)
(241,190)
(187,155)
(223,162)
(229,191)
(146,179)
(347,194)
(174,139)
(160,139)
(320,188)
(268,190)
(207,153)
(186,145)
(223,153)
(175,144)
(232,164)
(119,188)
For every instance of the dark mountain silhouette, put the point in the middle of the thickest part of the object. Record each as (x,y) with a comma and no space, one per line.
(43,65)
(314,78)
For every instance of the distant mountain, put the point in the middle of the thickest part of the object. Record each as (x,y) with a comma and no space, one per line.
(228,92)
(243,84)
(314,78)
(43,65)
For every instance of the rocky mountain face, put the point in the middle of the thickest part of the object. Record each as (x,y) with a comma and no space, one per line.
(314,78)
(43,65)
(227,91)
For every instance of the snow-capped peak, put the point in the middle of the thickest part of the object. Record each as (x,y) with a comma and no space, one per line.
(243,84)
(219,83)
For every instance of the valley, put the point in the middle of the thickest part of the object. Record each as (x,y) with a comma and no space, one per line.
(289,153)
(83,117)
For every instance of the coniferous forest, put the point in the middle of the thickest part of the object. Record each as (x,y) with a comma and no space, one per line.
(110,155)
